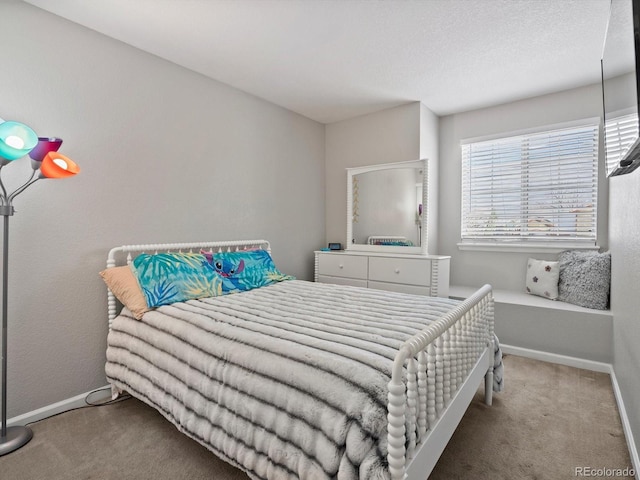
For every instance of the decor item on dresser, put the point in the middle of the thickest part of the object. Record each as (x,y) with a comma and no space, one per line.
(382,201)
(304,380)
(417,274)
(16,141)
(585,278)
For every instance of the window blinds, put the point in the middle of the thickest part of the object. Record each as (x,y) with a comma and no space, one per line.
(620,134)
(540,186)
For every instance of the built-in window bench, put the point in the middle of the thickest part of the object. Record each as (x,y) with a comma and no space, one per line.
(524,321)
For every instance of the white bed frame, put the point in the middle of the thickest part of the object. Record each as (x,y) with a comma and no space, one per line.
(444,364)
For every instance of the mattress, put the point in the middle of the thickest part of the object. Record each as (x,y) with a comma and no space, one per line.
(285,381)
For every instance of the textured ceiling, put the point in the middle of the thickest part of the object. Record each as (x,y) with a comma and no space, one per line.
(334,59)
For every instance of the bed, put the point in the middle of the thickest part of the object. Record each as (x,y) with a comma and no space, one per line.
(307,380)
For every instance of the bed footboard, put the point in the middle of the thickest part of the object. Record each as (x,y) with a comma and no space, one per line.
(439,360)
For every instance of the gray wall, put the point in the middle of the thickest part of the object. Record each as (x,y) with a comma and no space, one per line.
(167,155)
(624,232)
(504,270)
(624,235)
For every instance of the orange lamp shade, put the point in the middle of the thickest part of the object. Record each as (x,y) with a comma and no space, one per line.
(56,165)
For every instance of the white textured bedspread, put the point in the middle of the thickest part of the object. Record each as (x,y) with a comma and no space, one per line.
(286,381)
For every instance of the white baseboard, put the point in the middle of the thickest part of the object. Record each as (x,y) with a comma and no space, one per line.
(100,395)
(626,426)
(557,358)
(595,367)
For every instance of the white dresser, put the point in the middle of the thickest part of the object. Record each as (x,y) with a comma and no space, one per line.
(418,274)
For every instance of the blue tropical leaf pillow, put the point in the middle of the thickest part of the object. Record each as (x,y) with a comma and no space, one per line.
(244,270)
(167,278)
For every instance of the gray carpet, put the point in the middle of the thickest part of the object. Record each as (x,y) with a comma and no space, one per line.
(550,420)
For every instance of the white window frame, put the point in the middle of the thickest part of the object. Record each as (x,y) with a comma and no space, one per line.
(538,242)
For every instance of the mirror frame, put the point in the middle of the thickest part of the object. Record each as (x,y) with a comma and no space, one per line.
(424,235)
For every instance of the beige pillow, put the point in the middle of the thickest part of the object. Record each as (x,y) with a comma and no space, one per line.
(125,287)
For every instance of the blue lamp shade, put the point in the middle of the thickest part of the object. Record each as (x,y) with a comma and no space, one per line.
(16,140)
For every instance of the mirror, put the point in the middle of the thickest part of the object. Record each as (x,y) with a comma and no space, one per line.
(387,207)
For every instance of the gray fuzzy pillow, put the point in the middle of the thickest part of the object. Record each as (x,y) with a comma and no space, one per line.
(585,278)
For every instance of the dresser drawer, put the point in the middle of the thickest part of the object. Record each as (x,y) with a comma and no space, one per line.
(354,282)
(400,270)
(338,265)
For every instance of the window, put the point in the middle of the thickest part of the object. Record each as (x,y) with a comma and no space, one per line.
(620,134)
(538,187)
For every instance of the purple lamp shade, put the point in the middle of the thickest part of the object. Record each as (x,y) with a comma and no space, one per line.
(44,146)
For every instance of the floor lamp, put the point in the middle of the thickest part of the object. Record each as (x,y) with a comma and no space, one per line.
(16,141)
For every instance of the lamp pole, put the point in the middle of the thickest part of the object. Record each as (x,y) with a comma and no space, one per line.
(16,141)
(15,437)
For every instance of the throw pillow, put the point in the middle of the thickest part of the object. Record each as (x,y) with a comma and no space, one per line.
(244,270)
(124,286)
(585,278)
(542,278)
(166,278)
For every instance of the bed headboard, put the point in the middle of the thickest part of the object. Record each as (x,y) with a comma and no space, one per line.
(125,255)
(376,239)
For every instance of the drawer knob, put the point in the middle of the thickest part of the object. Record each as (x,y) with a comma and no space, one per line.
(397,270)
(340,266)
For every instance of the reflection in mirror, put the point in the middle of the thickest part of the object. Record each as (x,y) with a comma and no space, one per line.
(387,207)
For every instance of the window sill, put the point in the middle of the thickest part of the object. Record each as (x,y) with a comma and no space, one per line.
(524,247)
